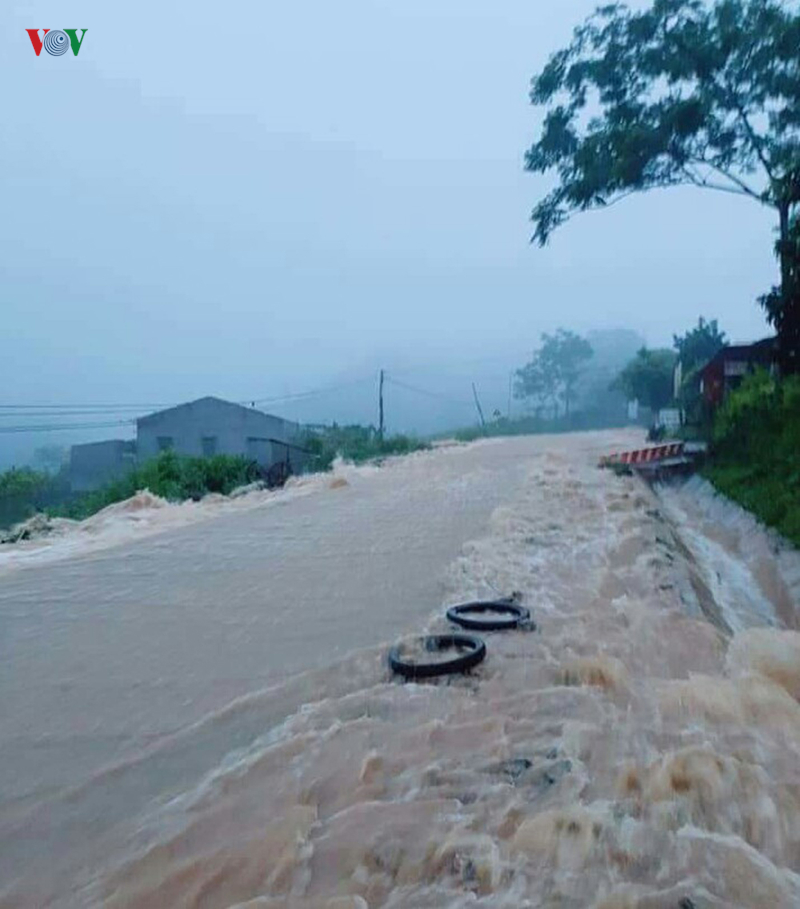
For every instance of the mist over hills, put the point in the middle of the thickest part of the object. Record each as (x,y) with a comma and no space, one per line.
(422,395)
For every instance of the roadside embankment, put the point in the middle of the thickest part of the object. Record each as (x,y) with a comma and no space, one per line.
(756,451)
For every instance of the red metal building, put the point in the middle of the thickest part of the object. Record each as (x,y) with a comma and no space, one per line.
(725,371)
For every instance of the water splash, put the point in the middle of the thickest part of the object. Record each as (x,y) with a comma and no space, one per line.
(629,753)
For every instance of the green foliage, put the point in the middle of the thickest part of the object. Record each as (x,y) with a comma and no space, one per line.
(533,382)
(22,481)
(696,347)
(782,304)
(23,491)
(355,443)
(682,93)
(681,88)
(649,378)
(762,492)
(177,477)
(553,371)
(698,413)
(171,476)
(756,450)
(757,402)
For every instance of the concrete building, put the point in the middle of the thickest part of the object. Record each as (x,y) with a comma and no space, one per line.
(212,426)
(96,463)
(201,428)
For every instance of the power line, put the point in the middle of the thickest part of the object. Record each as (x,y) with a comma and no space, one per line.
(55,427)
(311,393)
(89,409)
(94,408)
(81,408)
(38,414)
(430,394)
(37,411)
(381,423)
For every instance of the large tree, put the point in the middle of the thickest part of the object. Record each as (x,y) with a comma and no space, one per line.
(648,378)
(783,303)
(553,371)
(683,93)
(696,347)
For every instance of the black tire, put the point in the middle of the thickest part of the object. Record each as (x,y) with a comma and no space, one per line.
(509,615)
(461,663)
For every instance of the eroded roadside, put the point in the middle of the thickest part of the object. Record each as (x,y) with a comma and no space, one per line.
(745,573)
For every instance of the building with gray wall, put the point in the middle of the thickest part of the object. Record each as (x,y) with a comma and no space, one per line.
(201,428)
(96,463)
(211,426)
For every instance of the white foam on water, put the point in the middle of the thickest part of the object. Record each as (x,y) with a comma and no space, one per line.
(627,753)
(145,515)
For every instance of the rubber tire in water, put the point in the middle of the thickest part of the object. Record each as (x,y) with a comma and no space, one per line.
(461,663)
(512,615)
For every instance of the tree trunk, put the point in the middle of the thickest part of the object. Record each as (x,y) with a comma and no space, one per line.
(786,310)
(783,250)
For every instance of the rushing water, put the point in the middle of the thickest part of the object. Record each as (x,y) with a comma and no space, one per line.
(640,748)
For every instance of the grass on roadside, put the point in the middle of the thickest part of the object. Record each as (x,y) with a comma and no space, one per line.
(177,477)
(773,496)
(755,455)
(170,476)
(357,444)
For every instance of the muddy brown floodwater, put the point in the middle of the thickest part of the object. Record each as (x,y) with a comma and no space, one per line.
(640,748)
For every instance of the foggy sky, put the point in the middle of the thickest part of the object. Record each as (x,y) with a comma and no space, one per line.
(256,199)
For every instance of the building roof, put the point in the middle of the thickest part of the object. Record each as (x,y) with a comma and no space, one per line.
(102,442)
(762,351)
(208,399)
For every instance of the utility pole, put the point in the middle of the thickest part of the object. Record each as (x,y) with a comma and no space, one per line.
(478,405)
(510,386)
(380,407)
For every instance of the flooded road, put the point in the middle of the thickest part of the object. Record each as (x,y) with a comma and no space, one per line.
(101,655)
(182,727)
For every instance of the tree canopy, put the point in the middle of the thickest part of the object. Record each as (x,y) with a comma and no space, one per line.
(697,346)
(648,378)
(783,303)
(682,93)
(554,369)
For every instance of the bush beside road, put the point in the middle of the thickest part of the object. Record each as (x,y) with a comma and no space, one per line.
(755,456)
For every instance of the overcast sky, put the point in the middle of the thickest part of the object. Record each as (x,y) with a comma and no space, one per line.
(255,199)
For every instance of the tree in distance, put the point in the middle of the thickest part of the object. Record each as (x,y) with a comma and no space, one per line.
(684,93)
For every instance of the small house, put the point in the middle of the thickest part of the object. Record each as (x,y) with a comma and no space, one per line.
(202,428)
(725,371)
(211,426)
